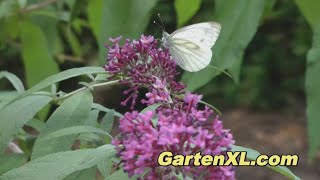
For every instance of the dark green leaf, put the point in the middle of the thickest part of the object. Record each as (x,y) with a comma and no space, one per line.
(239,20)
(310,10)
(186,9)
(74,111)
(73,41)
(59,165)
(312,92)
(15,115)
(253,154)
(34,52)
(109,18)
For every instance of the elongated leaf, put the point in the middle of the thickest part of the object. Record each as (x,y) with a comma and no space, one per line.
(312,93)
(310,10)
(151,108)
(118,175)
(83,174)
(109,18)
(9,162)
(107,121)
(93,118)
(6,97)
(104,109)
(59,165)
(186,9)
(75,130)
(239,20)
(74,111)
(35,52)
(105,166)
(15,115)
(47,20)
(60,77)
(63,76)
(15,81)
(36,124)
(253,154)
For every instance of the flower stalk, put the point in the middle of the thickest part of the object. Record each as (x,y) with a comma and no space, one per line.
(104,84)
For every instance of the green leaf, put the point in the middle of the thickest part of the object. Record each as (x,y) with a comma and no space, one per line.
(74,111)
(108,121)
(34,52)
(104,109)
(93,118)
(9,162)
(73,41)
(239,20)
(6,97)
(15,81)
(47,20)
(59,165)
(105,166)
(60,77)
(186,9)
(83,174)
(74,130)
(151,108)
(109,18)
(15,115)
(310,10)
(118,175)
(36,124)
(8,8)
(253,154)
(312,92)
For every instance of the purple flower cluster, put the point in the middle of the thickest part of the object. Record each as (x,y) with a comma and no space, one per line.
(178,126)
(180,132)
(141,64)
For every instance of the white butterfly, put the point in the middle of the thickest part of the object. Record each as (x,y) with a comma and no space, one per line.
(191,46)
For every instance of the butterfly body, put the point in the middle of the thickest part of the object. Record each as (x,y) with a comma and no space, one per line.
(191,46)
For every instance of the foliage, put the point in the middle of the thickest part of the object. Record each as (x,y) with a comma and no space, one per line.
(40,38)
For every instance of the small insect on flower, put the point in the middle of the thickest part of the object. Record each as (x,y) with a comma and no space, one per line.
(191,46)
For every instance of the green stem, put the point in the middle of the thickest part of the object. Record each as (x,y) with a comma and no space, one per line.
(37,6)
(109,83)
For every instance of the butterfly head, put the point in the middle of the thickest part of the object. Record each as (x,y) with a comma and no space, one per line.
(165,39)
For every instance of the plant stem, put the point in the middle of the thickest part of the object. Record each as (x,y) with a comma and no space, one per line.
(37,6)
(84,88)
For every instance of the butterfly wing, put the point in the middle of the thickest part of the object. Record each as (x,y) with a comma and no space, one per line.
(203,34)
(189,55)
(191,46)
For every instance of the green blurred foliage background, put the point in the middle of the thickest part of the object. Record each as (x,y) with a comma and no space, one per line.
(263,44)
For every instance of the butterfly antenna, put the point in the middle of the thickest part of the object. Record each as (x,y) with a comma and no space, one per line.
(162,23)
(154,22)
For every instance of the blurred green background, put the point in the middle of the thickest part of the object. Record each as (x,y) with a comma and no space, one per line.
(263,44)
(63,36)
